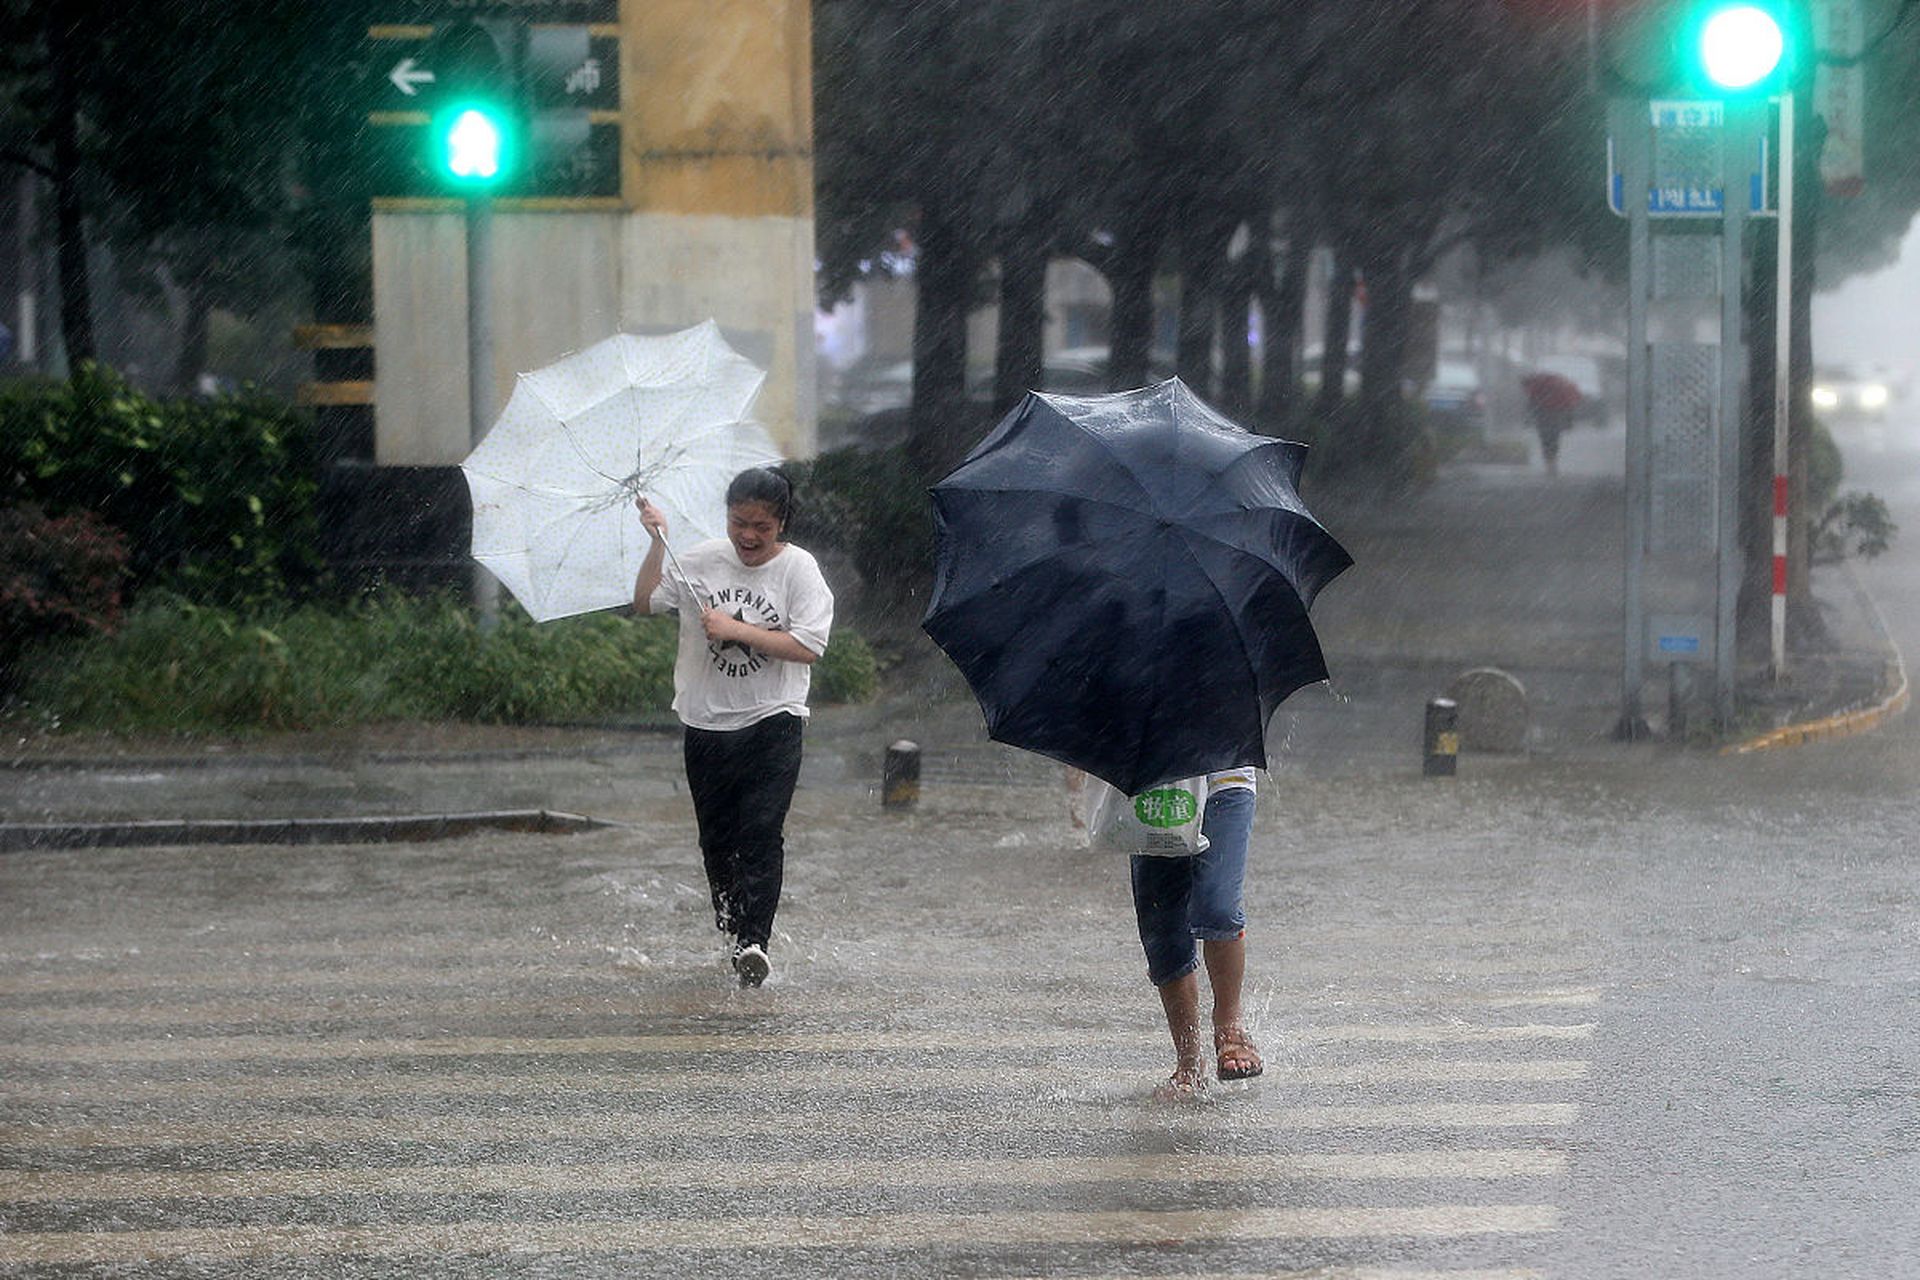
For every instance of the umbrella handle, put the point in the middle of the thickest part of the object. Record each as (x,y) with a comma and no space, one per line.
(684,580)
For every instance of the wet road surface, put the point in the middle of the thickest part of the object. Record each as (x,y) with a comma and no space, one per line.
(1641,1012)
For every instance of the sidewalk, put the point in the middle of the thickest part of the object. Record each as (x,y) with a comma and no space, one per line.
(1494,566)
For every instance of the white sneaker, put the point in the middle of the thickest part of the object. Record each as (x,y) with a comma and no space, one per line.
(752,965)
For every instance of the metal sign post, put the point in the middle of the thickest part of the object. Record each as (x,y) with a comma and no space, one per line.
(1782,390)
(486,587)
(1690,176)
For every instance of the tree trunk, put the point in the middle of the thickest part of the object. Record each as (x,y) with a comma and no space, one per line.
(1136,258)
(1019,350)
(1339,330)
(1283,303)
(1803,614)
(943,295)
(1383,351)
(1236,313)
(1752,613)
(70,237)
(1202,250)
(192,358)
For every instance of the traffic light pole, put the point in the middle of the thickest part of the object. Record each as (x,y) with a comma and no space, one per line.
(1782,389)
(480,409)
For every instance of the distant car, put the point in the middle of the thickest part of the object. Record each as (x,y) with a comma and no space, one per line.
(1842,393)
(1456,404)
(872,387)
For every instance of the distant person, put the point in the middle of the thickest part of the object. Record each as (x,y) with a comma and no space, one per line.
(754,617)
(1552,402)
(1181,902)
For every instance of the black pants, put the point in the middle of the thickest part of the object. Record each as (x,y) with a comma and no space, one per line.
(742,784)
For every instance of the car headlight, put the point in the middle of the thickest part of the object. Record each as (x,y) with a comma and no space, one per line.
(1873,396)
(1826,398)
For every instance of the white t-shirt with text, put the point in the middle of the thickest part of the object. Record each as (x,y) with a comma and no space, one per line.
(728,685)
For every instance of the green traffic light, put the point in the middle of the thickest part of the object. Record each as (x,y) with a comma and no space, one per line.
(1740,46)
(473,145)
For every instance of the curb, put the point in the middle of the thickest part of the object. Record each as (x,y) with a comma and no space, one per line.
(17,837)
(1846,723)
(310,759)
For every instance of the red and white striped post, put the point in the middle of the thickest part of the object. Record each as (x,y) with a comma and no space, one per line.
(1782,386)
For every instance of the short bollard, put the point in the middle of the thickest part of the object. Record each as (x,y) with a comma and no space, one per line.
(900,776)
(1442,751)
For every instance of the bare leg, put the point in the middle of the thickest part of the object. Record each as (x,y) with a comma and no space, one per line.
(1181,1000)
(1227,971)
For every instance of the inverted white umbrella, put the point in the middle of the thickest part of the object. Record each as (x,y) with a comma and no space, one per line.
(554,482)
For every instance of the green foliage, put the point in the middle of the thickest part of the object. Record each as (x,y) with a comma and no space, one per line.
(181,667)
(215,496)
(1854,524)
(1386,453)
(1847,524)
(847,671)
(873,508)
(58,577)
(1825,467)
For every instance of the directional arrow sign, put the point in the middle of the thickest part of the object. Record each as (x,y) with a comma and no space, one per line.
(407,75)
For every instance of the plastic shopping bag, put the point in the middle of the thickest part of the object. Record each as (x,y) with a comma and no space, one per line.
(1163,821)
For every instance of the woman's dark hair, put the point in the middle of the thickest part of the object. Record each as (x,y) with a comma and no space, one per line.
(764,484)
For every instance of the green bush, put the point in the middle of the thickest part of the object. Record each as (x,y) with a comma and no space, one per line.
(847,671)
(58,576)
(1825,468)
(873,507)
(215,496)
(1395,454)
(177,666)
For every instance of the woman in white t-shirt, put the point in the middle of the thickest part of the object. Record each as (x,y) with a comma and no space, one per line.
(754,617)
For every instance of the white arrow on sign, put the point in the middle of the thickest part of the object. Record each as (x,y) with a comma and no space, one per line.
(407,75)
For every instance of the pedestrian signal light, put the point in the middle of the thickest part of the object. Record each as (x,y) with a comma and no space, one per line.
(473,137)
(474,143)
(1739,48)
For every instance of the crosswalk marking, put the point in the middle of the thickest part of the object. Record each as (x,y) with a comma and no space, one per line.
(1335,1273)
(285,1005)
(780,1076)
(906,1230)
(481,1179)
(508,1096)
(309,1048)
(617,1123)
(487,966)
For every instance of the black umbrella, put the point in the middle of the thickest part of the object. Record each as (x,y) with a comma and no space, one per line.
(1124,581)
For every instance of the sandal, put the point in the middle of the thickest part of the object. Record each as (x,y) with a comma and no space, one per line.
(1238,1058)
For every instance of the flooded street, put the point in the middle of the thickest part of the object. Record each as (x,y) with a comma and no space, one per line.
(1642,1016)
(1593,1010)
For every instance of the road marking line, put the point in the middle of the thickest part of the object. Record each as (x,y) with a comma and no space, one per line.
(311,1049)
(20,1187)
(1334,1273)
(735,1234)
(656,1078)
(282,1006)
(236,973)
(1118,1114)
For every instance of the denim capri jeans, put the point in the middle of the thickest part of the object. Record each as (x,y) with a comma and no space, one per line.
(1178,900)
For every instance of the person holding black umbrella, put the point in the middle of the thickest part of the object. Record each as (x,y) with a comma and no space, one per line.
(1180,901)
(1124,582)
